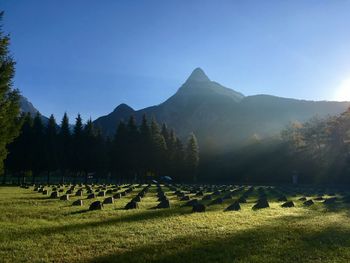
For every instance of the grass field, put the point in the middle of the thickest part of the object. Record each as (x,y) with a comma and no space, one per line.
(34,228)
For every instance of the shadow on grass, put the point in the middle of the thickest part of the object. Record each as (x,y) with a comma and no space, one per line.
(273,242)
(80,212)
(135,216)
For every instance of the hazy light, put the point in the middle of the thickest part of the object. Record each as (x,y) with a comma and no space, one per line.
(342,93)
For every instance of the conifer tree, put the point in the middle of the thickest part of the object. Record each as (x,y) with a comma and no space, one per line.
(19,160)
(145,145)
(165,133)
(38,146)
(179,160)
(167,156)
(78,147)
(102,154)
(132,153)
(119,149)
(51,147)
(9,98)
(158,148)
(89,149)
(192,156)
(64,147)
(171,153)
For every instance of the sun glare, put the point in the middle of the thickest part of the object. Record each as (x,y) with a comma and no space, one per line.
(342,93)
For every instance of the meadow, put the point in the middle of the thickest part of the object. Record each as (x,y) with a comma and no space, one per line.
(37,228)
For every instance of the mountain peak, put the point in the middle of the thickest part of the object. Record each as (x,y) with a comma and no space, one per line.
(198,75)
(123,108)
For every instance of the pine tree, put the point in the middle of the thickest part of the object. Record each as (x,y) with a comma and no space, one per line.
(158,148)
(145,145)
(64,147)
(179,160)
(167,157)
(78,147)
(89,149)
(119,149)
(132,153)
(9,98)
(165,133)
(51,147)
(171,153)
(19,160)
(38,146)
(103,148)
(192,156)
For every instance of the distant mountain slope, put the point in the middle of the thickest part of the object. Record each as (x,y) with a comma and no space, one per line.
(109,124)
(221,117)
(27,107)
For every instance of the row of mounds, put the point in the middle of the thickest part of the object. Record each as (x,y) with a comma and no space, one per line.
(286,203)
(162,199)
(262,200)
(281,197)
(197,207)
(326,201)
(98,205)
(204,195)
(92,192)
(134,203)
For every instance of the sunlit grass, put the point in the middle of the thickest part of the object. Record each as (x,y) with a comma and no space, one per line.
(34,228)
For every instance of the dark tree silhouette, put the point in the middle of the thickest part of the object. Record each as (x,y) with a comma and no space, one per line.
(134,152)
(64,147)
(192,156)
(51,147)
(38,146)
(78,147)
(9,98)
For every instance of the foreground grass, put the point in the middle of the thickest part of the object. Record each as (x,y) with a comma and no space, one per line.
(34,228)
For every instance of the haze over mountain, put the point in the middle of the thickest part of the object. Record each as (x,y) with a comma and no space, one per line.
(221,117)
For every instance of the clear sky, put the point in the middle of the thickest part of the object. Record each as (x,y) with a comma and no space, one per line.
(89,56)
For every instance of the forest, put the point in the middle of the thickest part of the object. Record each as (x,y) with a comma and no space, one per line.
(82,154)
(317,151)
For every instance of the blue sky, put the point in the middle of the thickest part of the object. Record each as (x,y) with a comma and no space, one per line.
(89,56)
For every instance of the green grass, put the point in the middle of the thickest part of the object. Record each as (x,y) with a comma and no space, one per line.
(34,228)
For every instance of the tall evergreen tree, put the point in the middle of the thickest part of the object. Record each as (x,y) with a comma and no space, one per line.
(145,145)
(167,157)
(171,154)
(89,149)
(9,98)
(51,147)
(179,160)
(132,153)
(165,133)
(158,148)
(19,160)
(119,149)
(64,147)
(38,146)
(192,156)
(102,154)
(78,147)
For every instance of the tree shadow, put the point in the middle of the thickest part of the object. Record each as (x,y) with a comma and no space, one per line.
(133,216)
(271,242)
(80,212)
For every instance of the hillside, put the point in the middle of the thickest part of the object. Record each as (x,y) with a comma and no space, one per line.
(221,117)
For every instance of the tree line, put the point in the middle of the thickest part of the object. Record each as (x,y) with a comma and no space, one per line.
(81,152)
(320,148)
(317,151)
(30,147)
